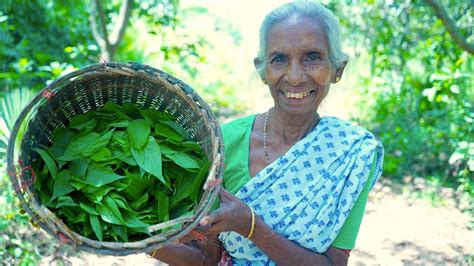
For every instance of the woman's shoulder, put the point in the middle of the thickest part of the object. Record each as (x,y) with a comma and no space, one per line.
(342,126)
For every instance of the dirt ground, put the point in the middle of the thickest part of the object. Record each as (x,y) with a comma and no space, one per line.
(395,231)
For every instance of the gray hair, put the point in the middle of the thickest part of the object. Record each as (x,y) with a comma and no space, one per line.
(313,11)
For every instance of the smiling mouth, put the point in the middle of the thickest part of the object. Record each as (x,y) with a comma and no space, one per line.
(296,95)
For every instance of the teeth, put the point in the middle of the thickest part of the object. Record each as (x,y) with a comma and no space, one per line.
(296,95)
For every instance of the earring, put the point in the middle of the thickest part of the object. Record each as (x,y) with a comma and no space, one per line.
(337,79)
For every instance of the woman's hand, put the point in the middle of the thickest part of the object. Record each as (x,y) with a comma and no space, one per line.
(233,215)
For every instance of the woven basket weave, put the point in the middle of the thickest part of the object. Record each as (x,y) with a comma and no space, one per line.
(88,89)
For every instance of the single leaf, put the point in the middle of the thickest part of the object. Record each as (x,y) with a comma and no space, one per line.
(140,201)
(99,176)
(120,201)
(49,161)
(149,159)
(109,202)
(65,201)
(83,122)
(102,155)
(68,212)
(111,107)
(96,194)
(108,216)
(96,226)
(88,208)
(123,123)
(87,228)
(163,204)
(167,132)
(62,184)
(137,185)
(198,181)
(78,183)
(98,145)
(184,160)
(127,158)
(62,137)
(78,167)
(165,150)
(178,128)
(183,187)
(81,218)
(152,117)
(138,131)
(121,138)
(121,231)
(134,222)
(191,145)
(130,109)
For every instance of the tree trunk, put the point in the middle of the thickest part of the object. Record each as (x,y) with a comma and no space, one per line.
(108,43)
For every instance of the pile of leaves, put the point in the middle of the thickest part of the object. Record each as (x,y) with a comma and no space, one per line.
(119,169)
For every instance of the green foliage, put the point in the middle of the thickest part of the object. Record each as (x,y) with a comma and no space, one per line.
(198,50)
(38,45)
(419,90)
(117,173)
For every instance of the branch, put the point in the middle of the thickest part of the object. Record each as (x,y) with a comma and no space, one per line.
(102,20)
(95,32)
(458,38)
(121,23)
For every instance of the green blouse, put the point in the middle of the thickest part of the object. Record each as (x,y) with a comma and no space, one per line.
(237,149)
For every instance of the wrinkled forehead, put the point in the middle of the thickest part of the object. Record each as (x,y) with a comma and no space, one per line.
(297,21)
(297,31)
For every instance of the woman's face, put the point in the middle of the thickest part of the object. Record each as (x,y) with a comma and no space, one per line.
(298,70)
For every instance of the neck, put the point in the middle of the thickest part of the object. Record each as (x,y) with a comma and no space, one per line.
(291,128)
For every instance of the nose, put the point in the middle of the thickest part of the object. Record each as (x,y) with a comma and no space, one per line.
(295,74)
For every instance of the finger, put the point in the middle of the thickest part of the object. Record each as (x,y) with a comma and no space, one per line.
(185,239)
(211,218)
(225,196)
(213,228)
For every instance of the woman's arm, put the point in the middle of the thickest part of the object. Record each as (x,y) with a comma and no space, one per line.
(235,215)
(190,253)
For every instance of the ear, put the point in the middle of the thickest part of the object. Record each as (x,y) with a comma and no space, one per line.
(338,74)
(258,63)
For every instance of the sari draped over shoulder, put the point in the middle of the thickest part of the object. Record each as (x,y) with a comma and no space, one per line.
(307,194)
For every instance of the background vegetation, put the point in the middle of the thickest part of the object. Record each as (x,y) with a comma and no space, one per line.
(415,84)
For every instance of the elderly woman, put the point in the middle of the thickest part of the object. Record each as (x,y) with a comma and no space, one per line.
(300,180)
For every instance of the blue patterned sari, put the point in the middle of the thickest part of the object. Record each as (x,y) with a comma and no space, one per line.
(307,194)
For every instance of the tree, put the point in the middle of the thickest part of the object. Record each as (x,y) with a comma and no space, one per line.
(417,95)
(108,42)
(454,31)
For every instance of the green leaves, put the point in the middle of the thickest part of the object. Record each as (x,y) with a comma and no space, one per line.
(138,132)
(96,226)
(99,176)
(117,170)
(149,158)
(85,145)
(50,163)
(62,185)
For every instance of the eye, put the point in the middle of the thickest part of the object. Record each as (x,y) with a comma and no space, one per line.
(313,56)
(278,59)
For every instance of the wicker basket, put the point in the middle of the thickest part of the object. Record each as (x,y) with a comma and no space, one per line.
(88,89)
